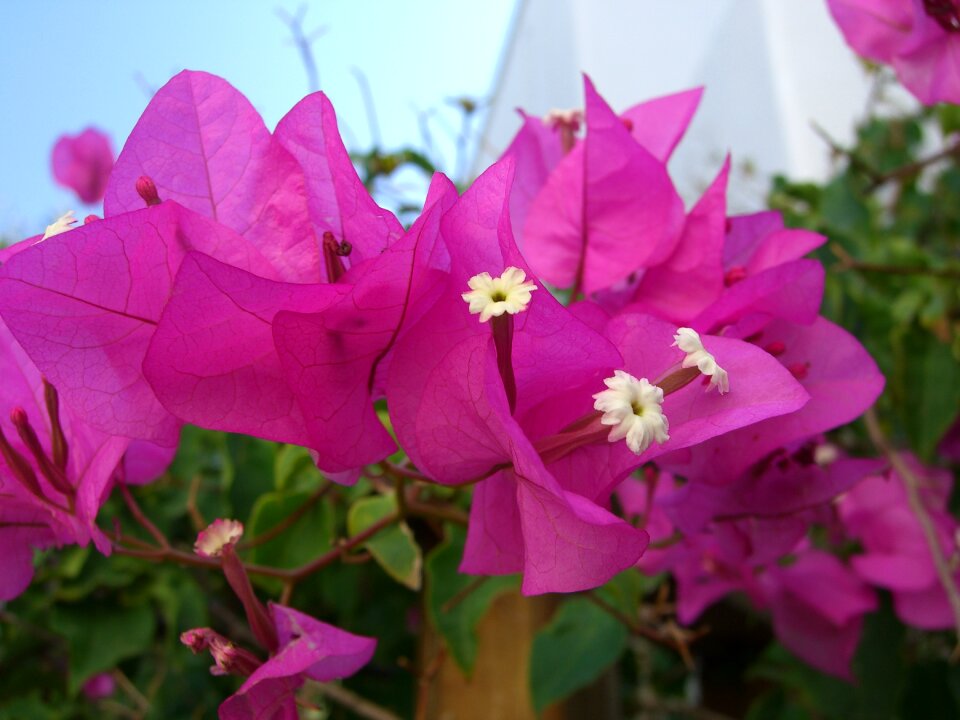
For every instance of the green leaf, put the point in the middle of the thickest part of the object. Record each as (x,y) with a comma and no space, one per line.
(393,547)
(456,603)
(292,463)
(930,391)
(580,642)
(252,461)
(310,536)
(879,665)
(101,635)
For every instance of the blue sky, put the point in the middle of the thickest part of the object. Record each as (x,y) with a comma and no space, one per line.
(67,65)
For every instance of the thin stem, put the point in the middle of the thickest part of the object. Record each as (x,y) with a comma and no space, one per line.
(401,471)
(345,546)
(848,262)
(193,508)
(666,542)
(138,698)
(855,161)
(912,484)
(355,703)
(913,168)
(304,43)
(292,575)
(144,521)
(677,643)
(289,521)
(464,593)
(439,512)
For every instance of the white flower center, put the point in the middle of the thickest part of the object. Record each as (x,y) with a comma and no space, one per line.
(61,224)
(634,408)
(688,340)
(571,118)
(219,534)
(492,297)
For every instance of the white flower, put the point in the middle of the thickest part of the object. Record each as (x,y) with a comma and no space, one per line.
(633,407)
(492,297)
(688,340)
(61,224)
(219,534)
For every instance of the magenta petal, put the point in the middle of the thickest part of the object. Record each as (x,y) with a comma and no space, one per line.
(928,609)
(773,493)
(320,651)
(683,286)
(745,233)
(329,359)
(760,388)
(83,163)
(494,535)
(268,699)
(791,291)
(84,305)
(607,210)
(337,200)
(536,151)
(838,373)
(817,606)
(876,29)
(335,360)
(571,544)
(18,542)
(218,368)
(782,246)
(659,124)
(144,462)
(203,145)
(929,65)
(555,226)
(308,649)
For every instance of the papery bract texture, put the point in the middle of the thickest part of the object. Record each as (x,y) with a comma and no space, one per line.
(608,209)
(336,198)
(203,145)
(47,517)
(907,35)
(84,305)
(842,381)
(308,649)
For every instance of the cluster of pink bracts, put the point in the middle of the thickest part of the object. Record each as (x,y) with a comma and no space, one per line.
(245,281)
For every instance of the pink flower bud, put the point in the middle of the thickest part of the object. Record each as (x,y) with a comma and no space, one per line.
(147,190)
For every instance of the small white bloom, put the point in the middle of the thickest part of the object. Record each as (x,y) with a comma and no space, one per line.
(563,118)
(219,534)
(826,454)
(492,297)
(61,224)
(634,408)
(688,340)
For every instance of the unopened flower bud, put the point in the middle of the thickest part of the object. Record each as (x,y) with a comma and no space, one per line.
(147,190)
(91,218)
(688,340)
(734,275)
(775,348)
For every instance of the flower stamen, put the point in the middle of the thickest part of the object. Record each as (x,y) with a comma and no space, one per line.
(688,340)
(634,407)
(492,297)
